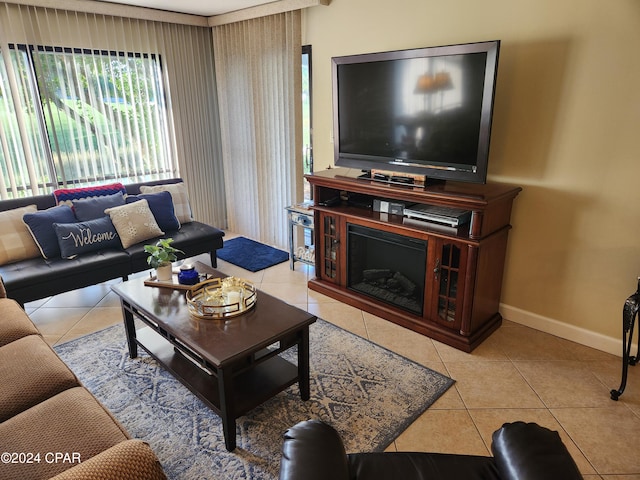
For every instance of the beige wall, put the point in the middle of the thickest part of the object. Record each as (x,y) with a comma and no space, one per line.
(566,128)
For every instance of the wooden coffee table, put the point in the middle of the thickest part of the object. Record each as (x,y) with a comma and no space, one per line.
(226,363)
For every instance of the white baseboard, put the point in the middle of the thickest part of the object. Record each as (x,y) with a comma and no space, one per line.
(564,330)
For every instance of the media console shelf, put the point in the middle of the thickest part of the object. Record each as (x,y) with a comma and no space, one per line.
(441,281)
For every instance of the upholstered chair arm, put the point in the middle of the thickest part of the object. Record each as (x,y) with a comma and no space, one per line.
(129,460)
(527,451)
(313,450)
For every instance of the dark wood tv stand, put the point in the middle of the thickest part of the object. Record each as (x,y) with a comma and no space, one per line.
(464,265)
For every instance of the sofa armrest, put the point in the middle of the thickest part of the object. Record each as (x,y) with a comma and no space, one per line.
(15,323)
(128,460)
(313,450)
(527,451)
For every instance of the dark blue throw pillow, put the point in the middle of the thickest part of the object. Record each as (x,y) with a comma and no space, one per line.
(83,237)
(40,224)
(161,206)
(94,207)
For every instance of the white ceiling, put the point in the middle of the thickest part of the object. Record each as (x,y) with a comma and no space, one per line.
(206,8)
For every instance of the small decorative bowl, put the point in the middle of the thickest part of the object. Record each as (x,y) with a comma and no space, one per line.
(218,298)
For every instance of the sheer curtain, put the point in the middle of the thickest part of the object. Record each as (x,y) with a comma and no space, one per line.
(258,68)
(185,56)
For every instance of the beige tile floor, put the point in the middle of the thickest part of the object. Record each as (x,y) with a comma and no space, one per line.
(516,374)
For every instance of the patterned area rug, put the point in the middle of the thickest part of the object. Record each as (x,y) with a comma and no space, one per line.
(251,255)
(367,392)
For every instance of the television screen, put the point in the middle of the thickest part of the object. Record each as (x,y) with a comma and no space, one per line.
(423,111)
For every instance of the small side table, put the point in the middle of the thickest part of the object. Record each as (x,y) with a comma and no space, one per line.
(301,216)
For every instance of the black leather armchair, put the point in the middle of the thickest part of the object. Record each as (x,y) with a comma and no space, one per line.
(313,450)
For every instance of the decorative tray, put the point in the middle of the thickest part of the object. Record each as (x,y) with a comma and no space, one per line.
(153,281)
(218,298)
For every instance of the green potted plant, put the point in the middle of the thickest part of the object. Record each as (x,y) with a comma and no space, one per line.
(161,255)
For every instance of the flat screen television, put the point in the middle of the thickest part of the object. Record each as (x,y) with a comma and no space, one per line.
(423,111)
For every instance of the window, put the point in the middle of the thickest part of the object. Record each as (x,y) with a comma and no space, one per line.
(84,116)
(307,152)
(23,157)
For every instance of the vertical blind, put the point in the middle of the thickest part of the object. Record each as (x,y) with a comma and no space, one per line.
(24,159)
(258,65)
(105,114)
(132,100)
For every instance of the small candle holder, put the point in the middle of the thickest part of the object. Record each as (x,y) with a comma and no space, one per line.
(188,274)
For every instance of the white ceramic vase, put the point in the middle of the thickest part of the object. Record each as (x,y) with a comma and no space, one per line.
(164,273)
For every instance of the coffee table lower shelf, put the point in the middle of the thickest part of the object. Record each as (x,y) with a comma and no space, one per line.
(249,388)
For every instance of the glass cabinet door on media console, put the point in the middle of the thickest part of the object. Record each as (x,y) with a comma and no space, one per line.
(447,287)
(329,247)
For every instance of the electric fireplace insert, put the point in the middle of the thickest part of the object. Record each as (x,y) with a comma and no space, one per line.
(386,266)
